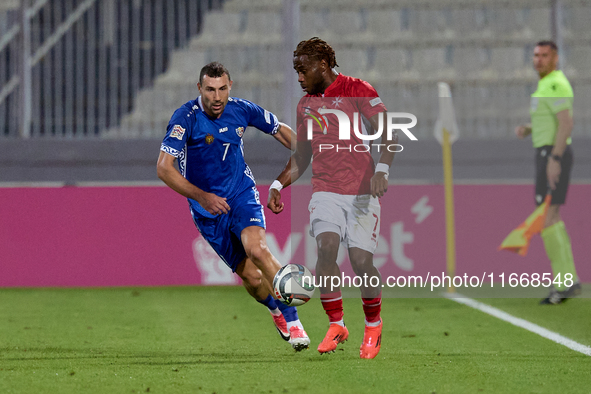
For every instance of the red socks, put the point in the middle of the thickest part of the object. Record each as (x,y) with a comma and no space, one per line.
(372,308)
(333,306)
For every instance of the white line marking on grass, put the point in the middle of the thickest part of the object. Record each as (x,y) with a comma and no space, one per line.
(529,326)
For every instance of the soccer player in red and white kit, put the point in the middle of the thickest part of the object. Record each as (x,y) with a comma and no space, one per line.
(346,184)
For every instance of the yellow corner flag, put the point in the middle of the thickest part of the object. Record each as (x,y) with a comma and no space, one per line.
(446,132)
(518,240)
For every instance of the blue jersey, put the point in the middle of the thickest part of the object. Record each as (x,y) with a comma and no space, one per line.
(210,151)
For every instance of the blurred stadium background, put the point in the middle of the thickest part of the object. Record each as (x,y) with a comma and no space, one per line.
(86,90)
(87,86)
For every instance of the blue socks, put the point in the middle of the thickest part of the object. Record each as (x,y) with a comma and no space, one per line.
(269,302)
(289,312)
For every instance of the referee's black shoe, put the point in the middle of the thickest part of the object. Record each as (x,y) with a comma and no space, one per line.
(558,297)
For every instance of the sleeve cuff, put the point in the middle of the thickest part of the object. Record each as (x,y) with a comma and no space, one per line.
(169,150)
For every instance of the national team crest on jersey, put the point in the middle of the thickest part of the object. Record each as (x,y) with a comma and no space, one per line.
(240,131)
(208,139)
(177,132)
(318,118)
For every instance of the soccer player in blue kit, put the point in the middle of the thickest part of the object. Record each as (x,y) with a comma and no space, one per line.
(205,137)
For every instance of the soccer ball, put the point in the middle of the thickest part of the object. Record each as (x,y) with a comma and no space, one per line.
(293,285)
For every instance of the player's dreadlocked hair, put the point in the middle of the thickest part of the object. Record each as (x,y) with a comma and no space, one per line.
(214,70)
(315,47)
(548,43)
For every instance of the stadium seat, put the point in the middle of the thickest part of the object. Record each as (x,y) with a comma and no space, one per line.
(383,26)
(507,22)
(401,49)
(390,63)
(508,62)
(262,27)
(576,19)
(183,66)
(344,24)
(267,59)
(537,21)
(435,23)
(230,56)
(352,62)
(4,25)
(220,27)
(469,62)
(469,22)
(9,5)
(578,60)
(581,105)
(153,109)
(313,23)
(252,5)
(430,62)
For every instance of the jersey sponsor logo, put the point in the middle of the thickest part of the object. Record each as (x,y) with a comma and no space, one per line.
(177,132)
(375,101)
(223,129)
(240,131)
(255,220)
(267,117)
(208,139)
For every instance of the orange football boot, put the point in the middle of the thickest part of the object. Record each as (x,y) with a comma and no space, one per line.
(336,334)
(372,340)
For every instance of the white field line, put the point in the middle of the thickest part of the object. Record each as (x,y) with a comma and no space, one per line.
(555,337)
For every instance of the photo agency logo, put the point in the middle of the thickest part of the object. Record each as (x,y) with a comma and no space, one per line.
(320,122)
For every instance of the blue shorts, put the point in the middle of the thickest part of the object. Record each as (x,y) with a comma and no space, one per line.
(222,232)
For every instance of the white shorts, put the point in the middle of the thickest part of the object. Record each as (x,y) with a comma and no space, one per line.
(355,218)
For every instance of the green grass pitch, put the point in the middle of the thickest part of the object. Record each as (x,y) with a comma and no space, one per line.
(219,340)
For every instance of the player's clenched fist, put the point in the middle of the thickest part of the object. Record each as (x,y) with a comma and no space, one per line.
(379,184)
(522,131)
(213,204)
(274,202)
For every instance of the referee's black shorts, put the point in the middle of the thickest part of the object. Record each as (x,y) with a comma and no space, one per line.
(558,194)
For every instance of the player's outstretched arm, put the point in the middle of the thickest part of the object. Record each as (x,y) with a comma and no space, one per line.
(295,167)
(379,181)
(168,173)
(286,136)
